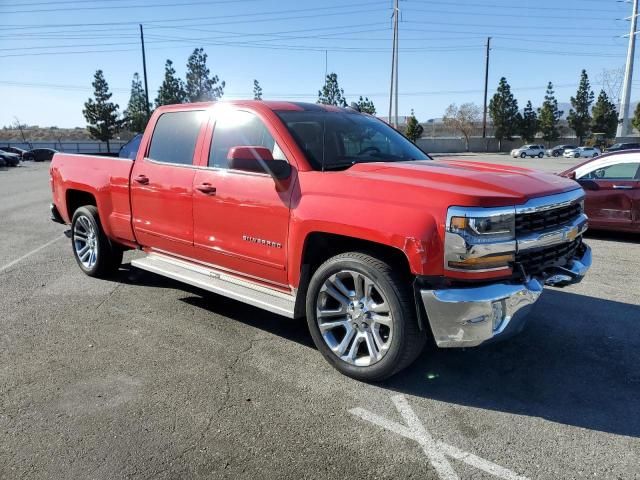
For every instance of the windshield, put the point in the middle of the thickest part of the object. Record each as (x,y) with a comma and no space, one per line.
(335,140)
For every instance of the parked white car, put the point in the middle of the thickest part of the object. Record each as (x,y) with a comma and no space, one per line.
(587,152)
(531,150)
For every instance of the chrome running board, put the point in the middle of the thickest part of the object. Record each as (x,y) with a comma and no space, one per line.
(219,282)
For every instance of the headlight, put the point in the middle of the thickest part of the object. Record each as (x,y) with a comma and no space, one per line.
(480,239)
(484,229)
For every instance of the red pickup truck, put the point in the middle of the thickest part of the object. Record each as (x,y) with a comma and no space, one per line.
(330,214)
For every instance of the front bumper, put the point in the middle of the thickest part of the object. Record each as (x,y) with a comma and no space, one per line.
(470,316)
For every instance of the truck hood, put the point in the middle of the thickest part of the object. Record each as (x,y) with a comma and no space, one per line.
(472,183)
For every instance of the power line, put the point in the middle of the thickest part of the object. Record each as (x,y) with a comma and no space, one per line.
(110,7)
(261,18)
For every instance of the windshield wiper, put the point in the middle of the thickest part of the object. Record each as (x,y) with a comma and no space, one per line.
(338,166)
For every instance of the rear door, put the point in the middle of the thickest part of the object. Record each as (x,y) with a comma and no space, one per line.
(615,201)
(162,183)
(241,219)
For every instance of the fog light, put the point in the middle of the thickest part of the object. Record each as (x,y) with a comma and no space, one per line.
(498,314)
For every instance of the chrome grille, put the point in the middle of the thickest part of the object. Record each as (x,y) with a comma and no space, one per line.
(538,260)
(546,219)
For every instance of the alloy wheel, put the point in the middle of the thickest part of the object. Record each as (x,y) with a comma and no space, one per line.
(85,242)
(354,318)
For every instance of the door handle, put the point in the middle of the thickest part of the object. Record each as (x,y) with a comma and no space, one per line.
(207,189)
(142,179)
(622,187)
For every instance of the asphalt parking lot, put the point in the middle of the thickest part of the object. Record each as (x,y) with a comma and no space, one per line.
(142,377)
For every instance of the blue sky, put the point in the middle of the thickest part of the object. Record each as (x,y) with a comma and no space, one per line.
(49,49)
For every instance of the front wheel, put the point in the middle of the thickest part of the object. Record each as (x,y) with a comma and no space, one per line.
(594,155)
(540,155)
(523,155)
(362,316)
(577,155)
(93,251)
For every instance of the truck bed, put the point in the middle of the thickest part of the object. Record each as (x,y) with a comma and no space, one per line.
(73,176)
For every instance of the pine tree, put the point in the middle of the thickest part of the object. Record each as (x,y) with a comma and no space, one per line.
(172,89)
(635,121)
(528,123)
(605,116)
(414,130)
(136,114)
(200,86)
(331,93)
(366,106)
(503,109)
(257,90)
(579,117)
(549,116)
(100,113)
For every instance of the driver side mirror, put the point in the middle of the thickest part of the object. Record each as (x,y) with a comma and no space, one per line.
(589,184)
(258,160)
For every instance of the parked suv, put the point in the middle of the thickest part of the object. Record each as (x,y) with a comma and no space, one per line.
(559,150)
(528,151)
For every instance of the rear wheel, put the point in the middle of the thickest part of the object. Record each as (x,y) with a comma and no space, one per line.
(93,251)
(362,316)
(556,154)
(576,155)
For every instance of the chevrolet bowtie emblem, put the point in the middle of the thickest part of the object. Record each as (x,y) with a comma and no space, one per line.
(572,234)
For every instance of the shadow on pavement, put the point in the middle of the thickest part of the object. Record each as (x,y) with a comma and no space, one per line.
(626,237)
(576,363)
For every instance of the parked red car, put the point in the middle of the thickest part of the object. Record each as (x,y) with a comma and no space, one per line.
(327,213)
(612,186)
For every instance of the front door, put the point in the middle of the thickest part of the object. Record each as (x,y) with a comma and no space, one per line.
(241,219)
(162,184)
(613,201)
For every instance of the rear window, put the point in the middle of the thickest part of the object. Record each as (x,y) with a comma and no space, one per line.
(174,137)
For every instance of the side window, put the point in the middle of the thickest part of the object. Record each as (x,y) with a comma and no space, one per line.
(621,171)
(174,137)
(238,128)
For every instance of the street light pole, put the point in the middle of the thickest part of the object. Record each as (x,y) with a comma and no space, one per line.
(624,128)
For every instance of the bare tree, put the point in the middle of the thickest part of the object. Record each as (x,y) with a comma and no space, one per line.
(462,119)
(611,81)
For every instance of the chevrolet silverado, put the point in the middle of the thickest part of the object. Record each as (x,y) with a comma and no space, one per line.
(330,214)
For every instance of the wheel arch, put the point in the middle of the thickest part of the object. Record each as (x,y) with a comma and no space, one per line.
(319,246)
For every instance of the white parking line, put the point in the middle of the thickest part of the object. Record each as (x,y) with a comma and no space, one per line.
(436,451)
(32,252)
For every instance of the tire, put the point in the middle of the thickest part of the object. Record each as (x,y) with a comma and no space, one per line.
(396,339)
(556,154)
(594,155)
(576,155)
(86,231)
(523,155)
(540,155)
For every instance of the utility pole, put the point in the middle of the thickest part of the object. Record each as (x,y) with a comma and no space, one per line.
(397,35)
(624,127)
(393,62)
(486,86)
(144,71)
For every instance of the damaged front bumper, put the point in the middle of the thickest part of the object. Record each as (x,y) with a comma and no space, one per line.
(470,316)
